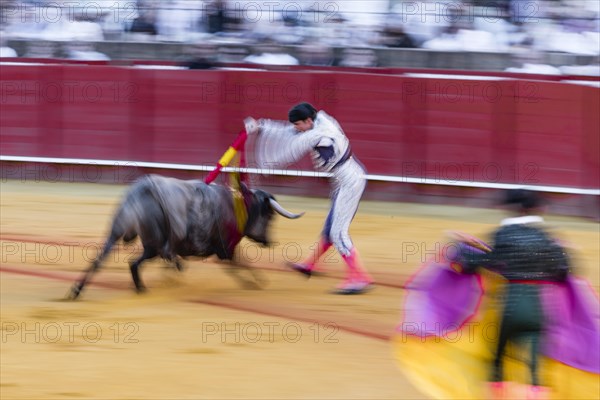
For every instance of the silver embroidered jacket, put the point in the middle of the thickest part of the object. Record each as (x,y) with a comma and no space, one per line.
(279,144)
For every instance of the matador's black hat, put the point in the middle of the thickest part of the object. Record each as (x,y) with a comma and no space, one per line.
(525,199)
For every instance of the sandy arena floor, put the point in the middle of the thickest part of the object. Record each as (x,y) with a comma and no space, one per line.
(197,334)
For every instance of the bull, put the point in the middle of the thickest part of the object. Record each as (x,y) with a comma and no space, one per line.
(177,219)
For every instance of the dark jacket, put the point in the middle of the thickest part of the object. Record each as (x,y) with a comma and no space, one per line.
(523,251)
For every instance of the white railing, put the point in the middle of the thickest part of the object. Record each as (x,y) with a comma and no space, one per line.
(298,173)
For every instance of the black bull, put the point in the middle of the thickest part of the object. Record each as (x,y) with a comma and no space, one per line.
(175,218)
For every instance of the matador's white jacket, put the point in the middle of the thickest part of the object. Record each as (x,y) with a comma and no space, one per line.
(279,144)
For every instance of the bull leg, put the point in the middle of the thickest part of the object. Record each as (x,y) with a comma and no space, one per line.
(178,265)
(257,275)
(77,287)
(233,270)
(134,267)
(258,279)
(174,262)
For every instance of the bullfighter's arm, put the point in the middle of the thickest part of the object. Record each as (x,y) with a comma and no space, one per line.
(279,145)
(473,260)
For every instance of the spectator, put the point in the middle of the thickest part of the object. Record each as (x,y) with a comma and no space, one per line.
(119,15)
(395,36)
(201,56)
(177,19)
(421,26)
(23,25)
(77,24)
(270,53)
(317,54)
(84,51)
(232,54)
(145,23)
(359,58)
(6,51)
(216,17)
(335,31)
(289,31)
(40,49)
(7,13)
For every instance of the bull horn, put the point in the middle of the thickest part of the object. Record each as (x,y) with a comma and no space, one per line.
(282,211)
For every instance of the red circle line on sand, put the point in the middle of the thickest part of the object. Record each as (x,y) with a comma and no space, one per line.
(329,276)
(57,276)
(271,313)
(211,303)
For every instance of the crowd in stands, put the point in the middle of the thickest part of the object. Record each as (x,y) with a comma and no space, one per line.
(315,26)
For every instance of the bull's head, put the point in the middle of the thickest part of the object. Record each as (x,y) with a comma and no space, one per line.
(261,209)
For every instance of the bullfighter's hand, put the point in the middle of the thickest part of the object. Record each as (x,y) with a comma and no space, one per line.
(472,241)
(251,125)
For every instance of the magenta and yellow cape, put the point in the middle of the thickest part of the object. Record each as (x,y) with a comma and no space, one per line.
(446,339)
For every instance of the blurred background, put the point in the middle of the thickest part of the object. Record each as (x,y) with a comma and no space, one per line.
(539,35)
(445,103)
(443,100)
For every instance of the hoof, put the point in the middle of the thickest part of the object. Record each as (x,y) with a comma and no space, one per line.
(71,295)
(251,286)
(141,289)
(74,293)
(261,280)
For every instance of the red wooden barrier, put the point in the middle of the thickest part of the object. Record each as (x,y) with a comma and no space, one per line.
(499,130)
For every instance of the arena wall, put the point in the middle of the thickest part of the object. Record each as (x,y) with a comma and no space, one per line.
(429,138)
